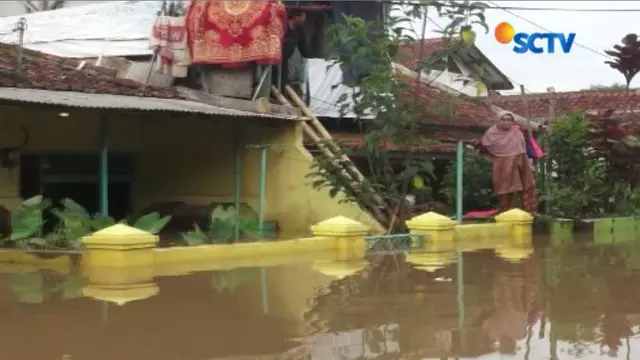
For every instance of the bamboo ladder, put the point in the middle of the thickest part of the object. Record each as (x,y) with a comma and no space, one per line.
(323,140)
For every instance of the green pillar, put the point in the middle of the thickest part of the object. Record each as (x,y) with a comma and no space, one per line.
(263,188)
(104,166)
(459,173)
(238,177)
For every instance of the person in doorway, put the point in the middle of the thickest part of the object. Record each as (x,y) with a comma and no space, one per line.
(512,171)
(294,38)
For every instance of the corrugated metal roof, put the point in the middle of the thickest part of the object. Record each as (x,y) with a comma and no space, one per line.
(108,101)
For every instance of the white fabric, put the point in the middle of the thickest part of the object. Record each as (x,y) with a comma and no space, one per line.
(169,39)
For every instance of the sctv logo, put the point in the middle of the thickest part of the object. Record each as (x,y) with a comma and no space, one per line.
(537,43)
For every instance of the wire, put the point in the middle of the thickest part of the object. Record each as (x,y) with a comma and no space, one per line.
(508,77)
(546,29)
(523,8)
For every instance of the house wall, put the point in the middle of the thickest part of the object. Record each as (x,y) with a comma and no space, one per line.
(186,159)
(455,80)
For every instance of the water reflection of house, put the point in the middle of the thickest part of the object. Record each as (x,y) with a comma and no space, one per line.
(422,309)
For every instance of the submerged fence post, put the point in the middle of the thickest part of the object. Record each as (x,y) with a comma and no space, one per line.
(459,177)
(349,235)
(119,264)
(521,223)
(440,228)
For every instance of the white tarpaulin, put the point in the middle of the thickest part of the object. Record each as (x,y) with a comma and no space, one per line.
(114,28)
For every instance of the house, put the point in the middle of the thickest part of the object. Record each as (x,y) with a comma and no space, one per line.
(542,106)
(456,69)
(116,146)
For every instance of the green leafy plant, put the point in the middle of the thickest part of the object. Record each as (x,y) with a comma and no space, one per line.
(585,181)
(389,107)
(35,288)
(477,186)
(26,219)
(75,222)
(223,223)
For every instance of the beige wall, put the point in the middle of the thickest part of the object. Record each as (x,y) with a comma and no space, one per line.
(187,159)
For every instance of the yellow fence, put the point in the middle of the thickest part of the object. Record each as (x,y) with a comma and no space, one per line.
(120,262)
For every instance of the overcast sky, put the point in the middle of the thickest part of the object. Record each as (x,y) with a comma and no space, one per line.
(581,67)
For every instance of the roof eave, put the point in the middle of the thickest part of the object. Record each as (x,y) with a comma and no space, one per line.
(500,81)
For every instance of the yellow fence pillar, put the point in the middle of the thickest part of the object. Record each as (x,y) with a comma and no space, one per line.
(438,227)
(521,223)
(119,263)
(120,245)
(349,235)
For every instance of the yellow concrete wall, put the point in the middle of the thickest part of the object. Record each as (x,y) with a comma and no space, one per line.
(292,199)
(188,159)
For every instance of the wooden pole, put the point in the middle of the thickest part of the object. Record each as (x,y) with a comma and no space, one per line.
(526,109)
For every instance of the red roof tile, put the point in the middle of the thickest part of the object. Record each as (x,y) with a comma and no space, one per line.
(48,72)
(443,108)
(443,141)
(536,106)
(409,55)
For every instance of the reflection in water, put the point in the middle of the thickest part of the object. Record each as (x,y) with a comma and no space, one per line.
(576,302)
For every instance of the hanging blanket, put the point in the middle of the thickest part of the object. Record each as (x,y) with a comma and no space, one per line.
(234,33)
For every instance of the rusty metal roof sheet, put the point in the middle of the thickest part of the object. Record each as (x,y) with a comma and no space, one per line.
(124,102)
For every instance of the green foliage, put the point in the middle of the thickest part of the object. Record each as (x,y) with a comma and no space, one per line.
(75,222)
(35,288)
(477,186)
(387,106)
(584,183)
(222,228)
(26,219)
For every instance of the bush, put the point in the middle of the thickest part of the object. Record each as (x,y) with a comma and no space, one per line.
(477,185)
(586,179)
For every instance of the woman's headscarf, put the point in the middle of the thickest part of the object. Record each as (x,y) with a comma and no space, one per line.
(504,143)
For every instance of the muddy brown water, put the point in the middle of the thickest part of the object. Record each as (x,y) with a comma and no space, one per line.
(570,302)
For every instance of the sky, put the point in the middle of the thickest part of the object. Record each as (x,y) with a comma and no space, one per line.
(576,70)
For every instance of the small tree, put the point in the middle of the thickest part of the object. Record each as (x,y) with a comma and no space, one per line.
(626,58)
(389,107)
(32,6)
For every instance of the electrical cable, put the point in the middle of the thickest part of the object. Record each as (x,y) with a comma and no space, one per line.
(524,8)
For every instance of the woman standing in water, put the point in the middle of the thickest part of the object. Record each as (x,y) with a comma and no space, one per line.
(512,171)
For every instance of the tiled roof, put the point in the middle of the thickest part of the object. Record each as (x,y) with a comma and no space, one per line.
(409,55)
(536,106)
(438,141)
(444,108)
(326,89)
(48,72)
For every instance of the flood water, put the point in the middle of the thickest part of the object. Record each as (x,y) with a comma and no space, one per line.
(570,302)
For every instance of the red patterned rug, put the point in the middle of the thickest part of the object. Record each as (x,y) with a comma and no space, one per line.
(234,33)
